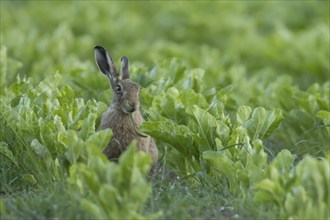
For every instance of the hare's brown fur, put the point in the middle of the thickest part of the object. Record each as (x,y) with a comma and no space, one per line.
(124,133)
(125,102)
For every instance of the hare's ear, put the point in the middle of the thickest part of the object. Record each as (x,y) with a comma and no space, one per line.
(105,63)
(125,67)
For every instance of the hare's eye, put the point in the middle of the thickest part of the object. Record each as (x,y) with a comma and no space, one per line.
(118,88)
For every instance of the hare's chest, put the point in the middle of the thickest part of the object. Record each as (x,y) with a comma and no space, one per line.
(123,133)
(120,124)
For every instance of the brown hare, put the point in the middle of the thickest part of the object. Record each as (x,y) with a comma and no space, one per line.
(123,116)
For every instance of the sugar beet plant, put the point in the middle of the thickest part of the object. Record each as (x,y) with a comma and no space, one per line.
(243,118)
(46,127)
(207,145)
(48,135)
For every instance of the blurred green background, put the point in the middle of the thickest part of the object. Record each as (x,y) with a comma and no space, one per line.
(291,37)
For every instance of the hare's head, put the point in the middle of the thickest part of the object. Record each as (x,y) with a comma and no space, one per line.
(126,92)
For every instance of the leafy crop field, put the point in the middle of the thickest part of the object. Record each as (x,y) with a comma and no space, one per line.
(236,95)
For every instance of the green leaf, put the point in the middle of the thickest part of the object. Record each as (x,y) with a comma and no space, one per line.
(171,105)
(73,145)
(274,118)
(223,93)
(205,126)
(195,79)
(315,177)
(223,131)
(239,136)
(224,165)
(298,194)
(113,190)
(325,116)
(263,123)
(283,161)
(179,136)
(110,197)
(243,114)
(100,139)
(257,121)
(42,152)
(269,191)
(90,178)
(93,209)
(189,98)
(4,150)
(88,127)
(39,149)
(29,178)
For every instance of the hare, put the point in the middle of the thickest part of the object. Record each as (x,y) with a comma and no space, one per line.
(123,116)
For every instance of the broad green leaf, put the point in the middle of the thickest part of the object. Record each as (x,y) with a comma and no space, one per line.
(100,139)
(118,190)
(88,127)
(42,152)
(298,193)
(243,114)
(306,101)
(283,161)
(29,178)
(223,131)
(262,123)
(325,116)
(127,162)
(110,198)
(171,104)
(206,126)
(9,68)
(189,98)
(269,191)
(239,136)
(90,179)
(66,95)
(38,148)
(93,209)
(315,177)
(224,165)
(57,120)
(74,146)
(179,136)
(223,93)
(195,79)
(175,69)
(274,118)
(256,162)
(144,163)
(258,156)
(256,123)
(7,153)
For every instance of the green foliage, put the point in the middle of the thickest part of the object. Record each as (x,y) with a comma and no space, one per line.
(47,132)
(325,116)
(112,191)
(45,128)
(295,192)
(311,106)
(194,127)
(52,200)
(239,121)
